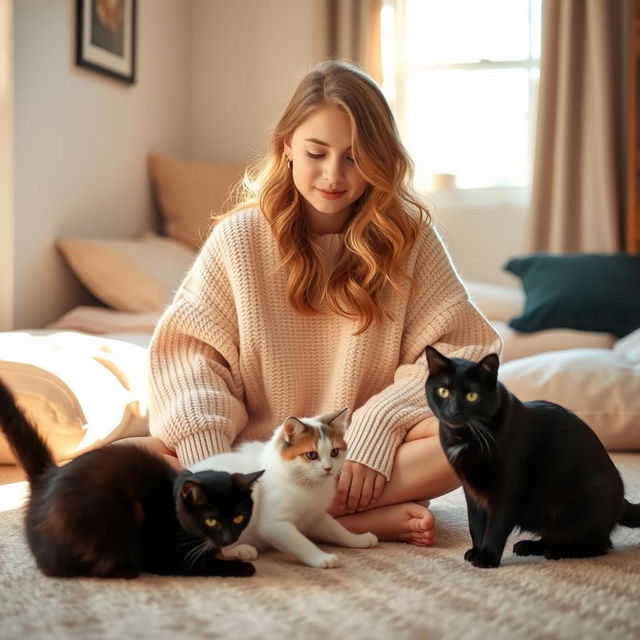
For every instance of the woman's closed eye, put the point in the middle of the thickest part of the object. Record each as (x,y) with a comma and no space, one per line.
(315,156)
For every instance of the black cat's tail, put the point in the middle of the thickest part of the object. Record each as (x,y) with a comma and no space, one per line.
(630,516)
(28,446)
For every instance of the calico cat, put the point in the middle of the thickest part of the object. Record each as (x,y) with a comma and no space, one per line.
(301,462)
(119,510)
(532,465)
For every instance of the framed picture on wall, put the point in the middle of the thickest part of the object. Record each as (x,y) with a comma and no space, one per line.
(106,37)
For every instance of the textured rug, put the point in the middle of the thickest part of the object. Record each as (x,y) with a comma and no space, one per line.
(392,592)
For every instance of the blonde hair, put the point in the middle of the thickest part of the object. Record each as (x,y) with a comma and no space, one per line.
(386,219)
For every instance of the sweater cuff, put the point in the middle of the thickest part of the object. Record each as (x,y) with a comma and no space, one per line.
(201,445)
(378,455)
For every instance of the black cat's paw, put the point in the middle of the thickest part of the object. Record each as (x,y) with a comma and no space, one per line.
(529,548)
(470,554)
(485,560)
(241,569)
(552,554)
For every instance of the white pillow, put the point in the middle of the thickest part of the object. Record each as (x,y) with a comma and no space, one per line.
(80,390)
(521,345)
(599,385)
(496,301)
(129,275)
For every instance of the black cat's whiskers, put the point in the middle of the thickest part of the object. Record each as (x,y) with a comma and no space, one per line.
(484,436)
(198,552)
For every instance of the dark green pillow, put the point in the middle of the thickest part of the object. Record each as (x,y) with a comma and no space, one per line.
(588,292)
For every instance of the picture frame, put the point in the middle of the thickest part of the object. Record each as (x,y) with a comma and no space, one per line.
(106,37)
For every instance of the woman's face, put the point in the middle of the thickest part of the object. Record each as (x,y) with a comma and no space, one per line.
(323,169)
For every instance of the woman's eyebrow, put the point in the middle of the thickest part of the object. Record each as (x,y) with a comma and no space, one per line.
(324,144)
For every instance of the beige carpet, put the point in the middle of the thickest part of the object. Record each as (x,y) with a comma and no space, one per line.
(395,591)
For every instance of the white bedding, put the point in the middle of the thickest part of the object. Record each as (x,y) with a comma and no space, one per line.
(82,380)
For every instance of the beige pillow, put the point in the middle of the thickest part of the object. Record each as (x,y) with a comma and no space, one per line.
(599,385)
(188,193)
(129,275)
(80,390)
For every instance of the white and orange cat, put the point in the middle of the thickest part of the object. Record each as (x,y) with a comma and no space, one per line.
(300,462)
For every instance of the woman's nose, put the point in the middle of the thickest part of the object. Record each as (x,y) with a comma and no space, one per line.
(332,170)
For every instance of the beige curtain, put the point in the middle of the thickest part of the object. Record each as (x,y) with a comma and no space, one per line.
(353,33)
(577,193)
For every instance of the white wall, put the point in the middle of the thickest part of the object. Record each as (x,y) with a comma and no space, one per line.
(6,165)
(481,241)
(248,56)
(80,141)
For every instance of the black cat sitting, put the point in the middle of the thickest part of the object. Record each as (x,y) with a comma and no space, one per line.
(532,465)
(117,511)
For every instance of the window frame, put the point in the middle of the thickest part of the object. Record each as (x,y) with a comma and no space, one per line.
(394,87)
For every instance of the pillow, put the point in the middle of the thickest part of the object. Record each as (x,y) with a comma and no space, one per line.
(80,390)
(599,385)
(495,301)
(129,275)
(588,292)
(521,345)
(188,193)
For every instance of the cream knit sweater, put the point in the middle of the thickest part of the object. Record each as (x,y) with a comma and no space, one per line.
(230,359)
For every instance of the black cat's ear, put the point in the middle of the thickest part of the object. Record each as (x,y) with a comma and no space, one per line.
(245,480)
(192,494)
(291,428)
(436,361)
(489,365)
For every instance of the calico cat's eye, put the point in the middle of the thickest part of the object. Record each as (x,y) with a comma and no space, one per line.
(335,453)
(211,522)
(443,392)
(238,519)
(312,455)
(472,396)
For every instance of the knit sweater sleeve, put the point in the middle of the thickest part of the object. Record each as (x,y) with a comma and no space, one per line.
(440,314)
(196,393)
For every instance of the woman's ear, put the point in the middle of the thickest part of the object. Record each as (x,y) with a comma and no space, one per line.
(287,147)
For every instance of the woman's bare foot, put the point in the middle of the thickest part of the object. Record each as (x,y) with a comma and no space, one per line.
(406,522)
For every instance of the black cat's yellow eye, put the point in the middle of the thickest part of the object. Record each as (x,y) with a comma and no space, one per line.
(335,452)
(472,396)
(238,519)
(211,522)
(443,392)
(312,455)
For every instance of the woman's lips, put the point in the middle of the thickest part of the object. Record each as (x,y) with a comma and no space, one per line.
(331,195)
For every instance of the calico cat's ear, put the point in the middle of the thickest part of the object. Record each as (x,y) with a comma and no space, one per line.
(245,480)
(436,361)
(291,428)
(192,494)
(489,365)
(337,419)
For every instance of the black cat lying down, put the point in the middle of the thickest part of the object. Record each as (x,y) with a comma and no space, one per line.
(532,465)
(117,511)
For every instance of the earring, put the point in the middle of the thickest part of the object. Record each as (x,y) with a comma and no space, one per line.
(289,164)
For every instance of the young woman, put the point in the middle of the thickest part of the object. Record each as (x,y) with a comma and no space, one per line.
(321,291)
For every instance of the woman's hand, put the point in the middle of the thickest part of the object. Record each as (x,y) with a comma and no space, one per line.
(358,486)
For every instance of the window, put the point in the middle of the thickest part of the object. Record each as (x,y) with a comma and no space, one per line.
(462,77)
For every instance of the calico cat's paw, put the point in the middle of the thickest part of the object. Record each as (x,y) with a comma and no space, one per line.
(240,552)
(325,561)
(364,541)
(470,554)
(485,560)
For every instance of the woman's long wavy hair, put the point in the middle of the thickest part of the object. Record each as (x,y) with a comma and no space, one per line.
(386,219)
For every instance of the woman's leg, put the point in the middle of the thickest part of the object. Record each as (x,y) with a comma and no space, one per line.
(153,444)
(420,472)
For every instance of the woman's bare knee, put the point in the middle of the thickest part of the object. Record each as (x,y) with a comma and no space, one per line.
(426,428)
